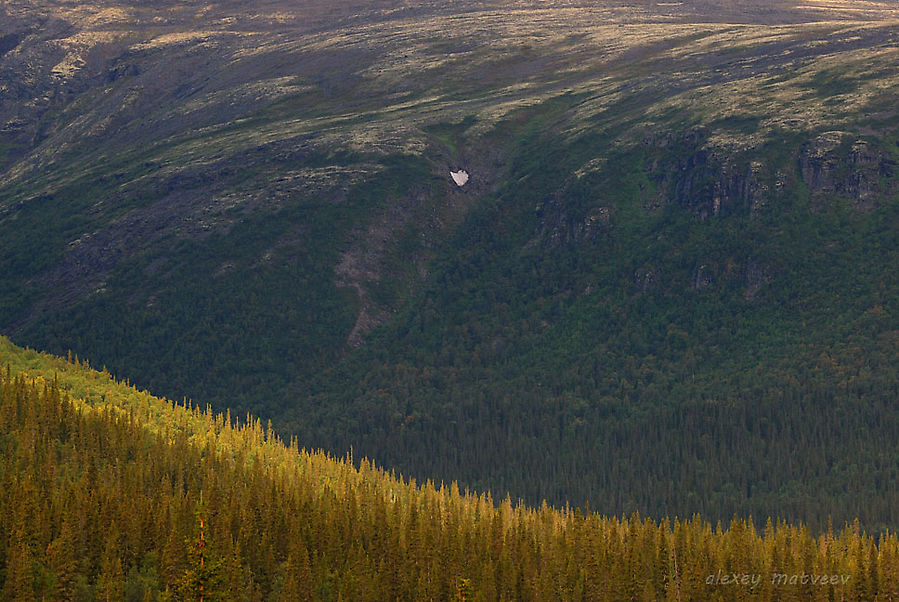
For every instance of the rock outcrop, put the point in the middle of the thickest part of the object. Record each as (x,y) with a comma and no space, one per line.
(703,179)
(559,228)
(839,163)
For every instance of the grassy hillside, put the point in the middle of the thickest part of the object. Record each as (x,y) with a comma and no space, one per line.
(110,493)
(669,286)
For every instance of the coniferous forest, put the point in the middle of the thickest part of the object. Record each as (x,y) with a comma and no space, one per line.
(488,300)
(109,493)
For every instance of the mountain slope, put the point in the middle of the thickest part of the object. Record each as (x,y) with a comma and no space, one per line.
(674,256)
(110,493)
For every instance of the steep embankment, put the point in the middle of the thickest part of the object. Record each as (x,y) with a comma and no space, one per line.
(110,493)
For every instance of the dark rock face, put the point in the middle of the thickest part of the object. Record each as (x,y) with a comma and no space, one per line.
(701,179)
(690,172)
(834,164)
(558,228)
(819,162)
(708,183)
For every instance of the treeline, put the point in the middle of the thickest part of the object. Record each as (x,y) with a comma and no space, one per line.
(110,494)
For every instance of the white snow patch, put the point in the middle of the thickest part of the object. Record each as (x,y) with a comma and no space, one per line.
(459,177)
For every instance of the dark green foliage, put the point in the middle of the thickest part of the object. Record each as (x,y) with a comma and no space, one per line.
(263,289)
(668,363)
